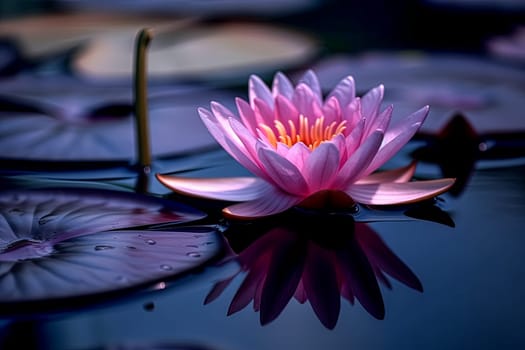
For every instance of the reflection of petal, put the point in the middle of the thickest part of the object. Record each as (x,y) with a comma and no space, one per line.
(254,280)
(383,259)
(320,284)
(360,279)
(318,259)
(284,273)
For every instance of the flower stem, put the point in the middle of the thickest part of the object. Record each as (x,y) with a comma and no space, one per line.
(140,100)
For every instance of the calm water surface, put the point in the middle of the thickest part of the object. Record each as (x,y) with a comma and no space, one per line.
(472,278)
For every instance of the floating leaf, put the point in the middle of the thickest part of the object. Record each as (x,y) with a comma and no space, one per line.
(491,96)
(213,53)
(43,35)
(68,120)
(70,243)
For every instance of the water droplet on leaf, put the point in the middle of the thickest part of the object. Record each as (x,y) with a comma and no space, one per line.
(104,247)
(166,267)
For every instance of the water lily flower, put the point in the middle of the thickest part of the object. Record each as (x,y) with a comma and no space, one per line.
(306,150)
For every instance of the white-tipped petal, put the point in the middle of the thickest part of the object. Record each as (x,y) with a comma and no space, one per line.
(309,78)
(403,174)
(235,189)
(321,166)
(284,173)
(273,202)
(344,91)
(358,162)
(398,193)
(258,89)
(282,86)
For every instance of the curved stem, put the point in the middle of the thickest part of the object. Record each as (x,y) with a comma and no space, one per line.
(140,100)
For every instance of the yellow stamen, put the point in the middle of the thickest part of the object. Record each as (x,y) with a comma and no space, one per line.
(269,134)
(312,136)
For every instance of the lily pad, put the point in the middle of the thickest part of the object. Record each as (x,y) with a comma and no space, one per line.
(490,96)
(43,35)
(69,120)
(68,246)
(202,7)
(210,53)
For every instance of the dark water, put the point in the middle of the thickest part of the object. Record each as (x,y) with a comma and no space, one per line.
(471,278)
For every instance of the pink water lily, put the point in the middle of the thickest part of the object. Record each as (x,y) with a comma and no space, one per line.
(308,150)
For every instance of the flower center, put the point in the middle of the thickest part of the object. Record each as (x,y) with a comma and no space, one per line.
(310,135)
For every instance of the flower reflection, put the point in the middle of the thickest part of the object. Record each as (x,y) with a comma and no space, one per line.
(308,151)
(317,259)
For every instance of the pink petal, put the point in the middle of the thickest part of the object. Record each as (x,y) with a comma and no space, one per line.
(244,135)
(228,189)
(273,202)
(247,115)
(371,101)
(306,103)
(309,78)
(353,140)
(221,130)
(242,156)
(284,173)
(285,110)
(344,91)
(282,86)
(381,122)
(397,137)
(263,112)
(321,167)
(358,162)
(258,89)
(332,111)
(218,131)
(415,119)
(403,174)
(221,112)
(352,113)
(339,141)
(282,149)
(297,154)
(398,193)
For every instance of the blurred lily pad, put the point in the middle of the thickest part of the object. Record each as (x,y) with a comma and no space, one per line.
(490,96)
(212,53)
(43,35)
(201,7)
(69,120)
(64,246)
